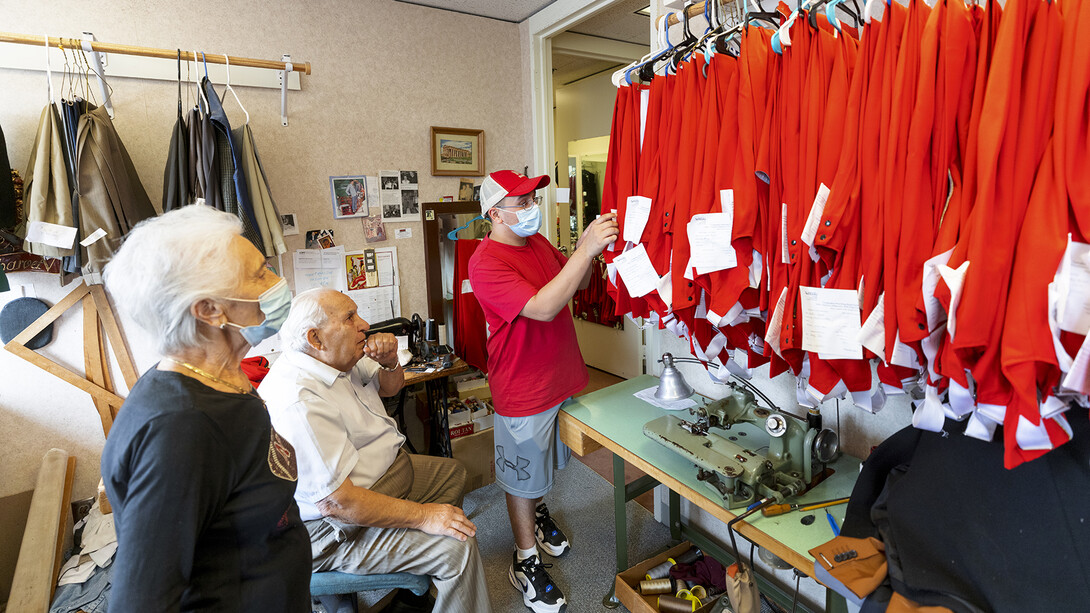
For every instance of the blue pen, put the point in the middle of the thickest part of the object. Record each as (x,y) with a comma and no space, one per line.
(832,523)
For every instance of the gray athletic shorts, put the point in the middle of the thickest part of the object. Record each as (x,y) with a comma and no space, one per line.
(528,450)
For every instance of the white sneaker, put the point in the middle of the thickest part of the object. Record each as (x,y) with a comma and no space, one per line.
(549,536)
(539,593)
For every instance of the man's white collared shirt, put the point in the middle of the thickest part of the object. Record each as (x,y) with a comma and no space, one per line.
(336,421)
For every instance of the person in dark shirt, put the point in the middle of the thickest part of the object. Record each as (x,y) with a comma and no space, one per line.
(201,484)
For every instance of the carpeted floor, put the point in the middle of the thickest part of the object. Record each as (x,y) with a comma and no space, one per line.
(582,503)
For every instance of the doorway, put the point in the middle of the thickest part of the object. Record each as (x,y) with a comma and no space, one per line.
(583,58)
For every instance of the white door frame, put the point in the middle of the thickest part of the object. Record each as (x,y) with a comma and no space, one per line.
(544,25)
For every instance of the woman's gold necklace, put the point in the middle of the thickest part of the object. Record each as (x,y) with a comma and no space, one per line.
(213,378)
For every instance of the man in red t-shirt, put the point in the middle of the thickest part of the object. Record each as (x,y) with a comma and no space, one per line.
(524,285)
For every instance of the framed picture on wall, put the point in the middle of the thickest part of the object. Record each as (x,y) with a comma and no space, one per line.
(457,152)
(349,196)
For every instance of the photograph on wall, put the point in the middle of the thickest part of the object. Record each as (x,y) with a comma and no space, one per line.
(389,179)
(288,226)
(320,239)
(361,270)
(349,196)
(465,190)
(457,151)
(410,205)
(392,212)
(477,193)
(373,229)
(408,179)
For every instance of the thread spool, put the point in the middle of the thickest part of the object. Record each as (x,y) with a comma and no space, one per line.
(661,571)
(673,604)
(658,586)
(699,591)
(689,556)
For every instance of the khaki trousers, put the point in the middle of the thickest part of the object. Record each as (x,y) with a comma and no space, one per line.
(455,567)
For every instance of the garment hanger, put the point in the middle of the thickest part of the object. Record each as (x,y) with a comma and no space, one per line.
(48,69)
(641,65)
(830,13)
(778,41)
(88,91)
(179,83)
(681,52)
(232,90)
(772,18)
(64,70)
(870,7)
(453,234)
(200,90)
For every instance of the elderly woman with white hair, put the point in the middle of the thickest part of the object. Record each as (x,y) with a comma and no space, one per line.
(201,484)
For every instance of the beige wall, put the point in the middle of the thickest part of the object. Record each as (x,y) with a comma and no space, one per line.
(383,72)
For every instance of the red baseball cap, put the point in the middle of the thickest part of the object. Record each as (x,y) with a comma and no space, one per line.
(503,183)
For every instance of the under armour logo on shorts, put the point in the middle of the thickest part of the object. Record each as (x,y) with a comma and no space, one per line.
(519,465)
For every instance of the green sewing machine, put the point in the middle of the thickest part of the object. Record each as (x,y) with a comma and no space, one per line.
(755,452)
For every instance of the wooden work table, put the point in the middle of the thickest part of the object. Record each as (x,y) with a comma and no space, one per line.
(613,418)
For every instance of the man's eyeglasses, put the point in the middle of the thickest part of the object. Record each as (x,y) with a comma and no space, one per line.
(522,204)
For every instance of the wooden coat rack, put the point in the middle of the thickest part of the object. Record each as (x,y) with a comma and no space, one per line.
(97,315)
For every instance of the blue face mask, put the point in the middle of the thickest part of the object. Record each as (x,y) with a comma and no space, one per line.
(275,304)
(529,222)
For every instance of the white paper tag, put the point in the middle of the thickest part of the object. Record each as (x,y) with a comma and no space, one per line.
(467,288)
(785,256)
(931,304)
(666,290)
(708,250)
(903,355)
(54,235)
(772,332)
(813,220)
(637,272)
(403,233)
(830,322)
(726,202)
(872,334)
(96,235)
(638,209)
(563,195)
(1075,288)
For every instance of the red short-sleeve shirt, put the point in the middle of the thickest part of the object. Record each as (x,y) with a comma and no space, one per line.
(532,365)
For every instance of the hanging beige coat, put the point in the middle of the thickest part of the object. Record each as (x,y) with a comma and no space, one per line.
(48,196)
(111,195)
(268,218)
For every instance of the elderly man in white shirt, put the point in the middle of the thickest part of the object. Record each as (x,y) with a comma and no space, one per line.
(370,506)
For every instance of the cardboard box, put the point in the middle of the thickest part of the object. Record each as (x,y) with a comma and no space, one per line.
(476,452)
(474,387)
(627,585)
(461,430)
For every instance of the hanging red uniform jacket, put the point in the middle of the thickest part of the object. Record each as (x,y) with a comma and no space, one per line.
(690,161)
(470,330)
(622,167)
(1021,99)
(954,223)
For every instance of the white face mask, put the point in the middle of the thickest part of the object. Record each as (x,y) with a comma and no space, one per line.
(529,222)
